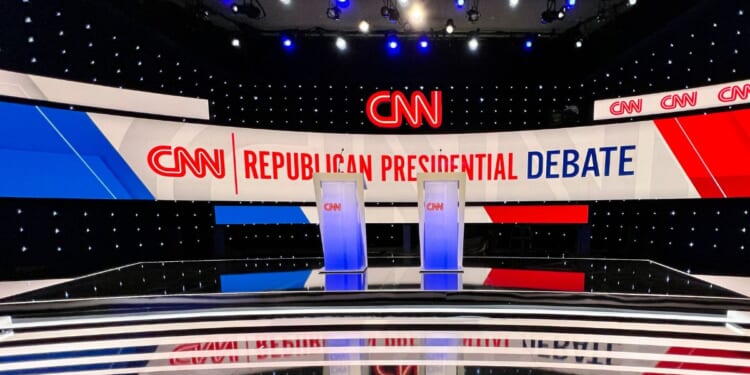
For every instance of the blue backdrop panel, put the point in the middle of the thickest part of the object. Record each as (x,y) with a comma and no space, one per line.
(264,281)
(441,226)
(233,215)
(55,153)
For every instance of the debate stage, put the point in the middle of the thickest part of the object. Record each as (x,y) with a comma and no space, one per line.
(500,315)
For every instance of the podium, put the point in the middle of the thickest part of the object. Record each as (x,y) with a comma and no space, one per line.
(341,211)
(441,201)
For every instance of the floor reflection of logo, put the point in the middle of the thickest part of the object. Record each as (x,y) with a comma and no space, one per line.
(395,370)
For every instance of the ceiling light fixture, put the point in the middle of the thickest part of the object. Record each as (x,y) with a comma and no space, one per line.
(449,26)
(364,26)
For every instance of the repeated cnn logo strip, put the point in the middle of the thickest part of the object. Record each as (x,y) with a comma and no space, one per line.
(713,150)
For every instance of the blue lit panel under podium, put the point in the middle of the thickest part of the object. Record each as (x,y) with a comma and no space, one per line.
(341,213)
(441,201)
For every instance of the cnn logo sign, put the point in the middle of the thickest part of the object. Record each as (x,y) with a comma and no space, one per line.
(434,206)
(332,206)
(416,110)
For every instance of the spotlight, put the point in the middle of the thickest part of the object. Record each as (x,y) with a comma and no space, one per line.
(460,4)
(561,13)
(343,3)
(392,42)
(364,26)
(424,42)
(472,15)
(473,44)
(248,9)
(579,43)
(528,44)
(333,12)
(449,26)
(513,3)
(394,15)
(549,16)
(632,2)
(403,3)
(341,43)
(570,4)
(416,14)
(236,43)
(286,2)
(287,42)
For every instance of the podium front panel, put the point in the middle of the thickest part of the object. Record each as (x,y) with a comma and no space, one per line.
(341,227)
(440,235)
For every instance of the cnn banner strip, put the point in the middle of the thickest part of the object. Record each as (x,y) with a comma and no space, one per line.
(714,96)
(523,214)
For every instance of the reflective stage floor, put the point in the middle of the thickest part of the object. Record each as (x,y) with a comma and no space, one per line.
(498,316)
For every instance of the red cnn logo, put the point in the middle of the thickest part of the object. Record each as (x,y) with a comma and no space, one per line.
(734,92)
(182,160)
(331,206)
(413,111)
(434,206)
(679,100)
(621,107)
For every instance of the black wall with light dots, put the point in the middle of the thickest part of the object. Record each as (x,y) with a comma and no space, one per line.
(502,88)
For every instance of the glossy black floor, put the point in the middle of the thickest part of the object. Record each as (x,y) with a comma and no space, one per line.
(635,277)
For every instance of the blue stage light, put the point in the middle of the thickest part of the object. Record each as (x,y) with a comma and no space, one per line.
(528,44)
(570,4)
(424,43)
(287,42)
(460,4)
(392,42)
(343,3)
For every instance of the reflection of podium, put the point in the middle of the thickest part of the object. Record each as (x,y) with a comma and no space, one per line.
(341,212)
(441,200)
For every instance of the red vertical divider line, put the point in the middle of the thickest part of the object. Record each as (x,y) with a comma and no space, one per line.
(687,157)
(234,164)
(539,214)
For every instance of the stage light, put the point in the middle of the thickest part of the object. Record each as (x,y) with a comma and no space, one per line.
(513,3)
(364,26)
(343,3)
(236,43)
(392,42)
(416,14)
(472,15)
(424,42)
(528,44)
(460,4)
(403,3)
(579,43)
(449,26)
(341,43)
(286,2)
(385,12)
(632,2)
(473,44)
(248,9)
(549,16)
(287,42)
(333,13)
(561,13)
(570,4)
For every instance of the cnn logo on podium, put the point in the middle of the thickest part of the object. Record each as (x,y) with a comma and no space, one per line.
(332,206)
(434,206)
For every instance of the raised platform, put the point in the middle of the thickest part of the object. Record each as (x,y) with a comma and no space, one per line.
(501,315)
